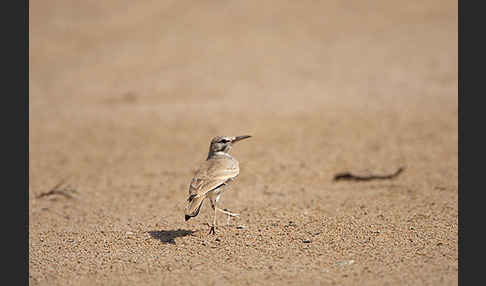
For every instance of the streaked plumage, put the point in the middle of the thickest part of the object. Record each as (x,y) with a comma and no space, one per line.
(213,177)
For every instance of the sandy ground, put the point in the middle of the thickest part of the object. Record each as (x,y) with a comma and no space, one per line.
(125,96)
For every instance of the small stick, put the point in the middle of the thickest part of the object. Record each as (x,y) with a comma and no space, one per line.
(55,190)
(351,177)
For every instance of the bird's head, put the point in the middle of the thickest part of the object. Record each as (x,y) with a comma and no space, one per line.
(224,143)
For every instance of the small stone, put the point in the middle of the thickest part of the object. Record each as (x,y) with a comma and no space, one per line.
(345,262)
(306,241)
(128,233)
(241,227)
(291,223)
(217,239)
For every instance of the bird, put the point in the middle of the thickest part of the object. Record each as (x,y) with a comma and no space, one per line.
(213,177)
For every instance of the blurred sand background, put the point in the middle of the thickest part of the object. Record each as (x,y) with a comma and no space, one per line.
(125,96)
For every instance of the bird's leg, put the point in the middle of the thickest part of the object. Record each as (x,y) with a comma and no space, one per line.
(227,212)
(213,205)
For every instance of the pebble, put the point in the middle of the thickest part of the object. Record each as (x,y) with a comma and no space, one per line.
(306,241)
(241,227)
(345,262)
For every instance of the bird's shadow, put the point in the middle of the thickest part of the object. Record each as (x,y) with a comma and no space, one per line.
(169,236)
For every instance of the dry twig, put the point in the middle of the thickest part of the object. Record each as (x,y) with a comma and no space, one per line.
(56,190)
(346,176)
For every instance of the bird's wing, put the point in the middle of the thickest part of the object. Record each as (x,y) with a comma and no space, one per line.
(212,174)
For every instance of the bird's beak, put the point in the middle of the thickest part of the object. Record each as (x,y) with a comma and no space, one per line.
(239,138)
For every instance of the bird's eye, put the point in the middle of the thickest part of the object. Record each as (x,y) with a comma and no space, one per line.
(224,141)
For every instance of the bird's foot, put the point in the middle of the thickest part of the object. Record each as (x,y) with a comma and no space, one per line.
(230,214)
(227,212)
(211,231)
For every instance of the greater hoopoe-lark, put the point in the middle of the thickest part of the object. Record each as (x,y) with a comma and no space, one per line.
(213,178)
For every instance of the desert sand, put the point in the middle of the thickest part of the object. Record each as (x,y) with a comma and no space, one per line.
(126,95)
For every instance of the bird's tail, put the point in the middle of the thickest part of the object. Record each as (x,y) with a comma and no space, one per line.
(194,203)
